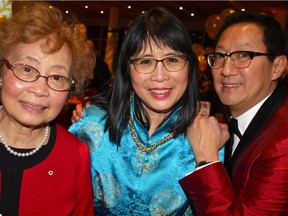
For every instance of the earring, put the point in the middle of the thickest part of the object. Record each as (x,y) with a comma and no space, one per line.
(131,96)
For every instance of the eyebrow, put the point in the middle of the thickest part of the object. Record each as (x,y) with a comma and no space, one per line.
(60,67)
(30,58)
(165,55)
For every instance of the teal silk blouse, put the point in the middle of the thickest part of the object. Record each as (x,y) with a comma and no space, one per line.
(128,181)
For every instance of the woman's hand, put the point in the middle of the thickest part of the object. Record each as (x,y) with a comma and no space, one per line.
(78,112)
(206,137)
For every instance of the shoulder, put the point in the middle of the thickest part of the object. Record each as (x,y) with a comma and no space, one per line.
(64,136)
(94,111)
(94,116)
(90,129)
(68,146)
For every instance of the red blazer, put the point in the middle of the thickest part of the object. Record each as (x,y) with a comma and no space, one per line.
(57,182)
(259,169)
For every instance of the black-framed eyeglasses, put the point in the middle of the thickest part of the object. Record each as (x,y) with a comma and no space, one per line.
(240,59)
(148,65)
(27,73)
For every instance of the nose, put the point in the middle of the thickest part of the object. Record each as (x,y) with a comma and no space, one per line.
(228,68)
(39,87)
(160,73)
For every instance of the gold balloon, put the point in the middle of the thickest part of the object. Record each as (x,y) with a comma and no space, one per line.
(226,12)
(202,63)
(3,20)
(197,49)
(212,25)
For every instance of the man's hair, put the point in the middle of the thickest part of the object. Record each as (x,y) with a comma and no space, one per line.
(273,34)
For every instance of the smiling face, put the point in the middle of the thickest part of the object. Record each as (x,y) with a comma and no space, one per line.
(34,103)
(160,90)
(241,89)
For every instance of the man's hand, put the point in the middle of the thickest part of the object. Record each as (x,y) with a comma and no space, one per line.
(206,137)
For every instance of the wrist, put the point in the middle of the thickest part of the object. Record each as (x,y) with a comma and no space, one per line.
(202,163)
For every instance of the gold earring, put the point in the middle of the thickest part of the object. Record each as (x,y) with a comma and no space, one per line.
(131,97)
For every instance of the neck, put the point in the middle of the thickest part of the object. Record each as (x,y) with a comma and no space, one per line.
(155,119)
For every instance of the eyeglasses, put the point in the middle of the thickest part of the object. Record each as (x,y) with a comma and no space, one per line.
(240,59)
(148,65)
(28,73)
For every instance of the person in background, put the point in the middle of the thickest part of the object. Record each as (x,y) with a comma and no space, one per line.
(208,94)
(247,65)
(44,169)
(137,132)
(101,78)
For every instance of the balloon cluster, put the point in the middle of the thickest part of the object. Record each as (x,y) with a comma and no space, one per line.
(215,21)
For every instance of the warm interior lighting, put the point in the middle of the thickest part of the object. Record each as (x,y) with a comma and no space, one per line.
(5,8)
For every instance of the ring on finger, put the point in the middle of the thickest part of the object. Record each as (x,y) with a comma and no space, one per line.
(200,115)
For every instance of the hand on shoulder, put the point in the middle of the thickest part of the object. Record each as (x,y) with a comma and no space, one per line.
(78,112)
(206,137)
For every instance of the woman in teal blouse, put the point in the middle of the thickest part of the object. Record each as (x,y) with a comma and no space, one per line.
(137,131)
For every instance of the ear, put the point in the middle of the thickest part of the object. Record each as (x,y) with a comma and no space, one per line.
(279,66)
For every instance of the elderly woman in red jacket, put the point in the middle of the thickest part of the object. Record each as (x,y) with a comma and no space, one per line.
(44,170)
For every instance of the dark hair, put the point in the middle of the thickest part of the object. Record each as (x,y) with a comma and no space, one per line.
(164,29)
(273,35)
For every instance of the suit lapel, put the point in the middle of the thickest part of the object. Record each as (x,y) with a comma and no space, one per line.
(227,154)
(228,147)
(264,114)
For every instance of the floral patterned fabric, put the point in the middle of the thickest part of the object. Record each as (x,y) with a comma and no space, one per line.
(128,181)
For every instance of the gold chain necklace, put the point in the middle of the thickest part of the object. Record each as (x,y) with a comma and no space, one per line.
(149,149)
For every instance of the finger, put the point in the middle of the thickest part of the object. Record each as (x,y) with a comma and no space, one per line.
(201,115)
(223,126)
(79,107)
(224,134)
(78,111)
(74,117)
(87,104)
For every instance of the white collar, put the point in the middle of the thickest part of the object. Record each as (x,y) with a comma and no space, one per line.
(245,119)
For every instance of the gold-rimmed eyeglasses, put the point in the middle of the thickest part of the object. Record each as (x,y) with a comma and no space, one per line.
(27,73)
